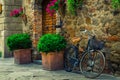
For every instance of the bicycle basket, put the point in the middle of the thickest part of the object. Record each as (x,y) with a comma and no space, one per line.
(96,44)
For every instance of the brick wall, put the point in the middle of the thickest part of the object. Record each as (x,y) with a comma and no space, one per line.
(33,10)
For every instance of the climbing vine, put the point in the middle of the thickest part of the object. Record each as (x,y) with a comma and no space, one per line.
(115,4)
(72,5)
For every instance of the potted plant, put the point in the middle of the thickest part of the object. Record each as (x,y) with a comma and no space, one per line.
(116,6)
(51,47)
(21,45)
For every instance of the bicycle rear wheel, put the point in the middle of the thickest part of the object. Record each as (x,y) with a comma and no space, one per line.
(70,58)
(92,64)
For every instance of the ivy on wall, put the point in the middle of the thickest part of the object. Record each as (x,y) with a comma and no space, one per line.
(73,5)
(115,4)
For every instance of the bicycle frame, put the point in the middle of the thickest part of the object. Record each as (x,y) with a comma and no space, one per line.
(87,57)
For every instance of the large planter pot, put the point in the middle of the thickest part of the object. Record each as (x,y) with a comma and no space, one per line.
(22,56)
(53,60)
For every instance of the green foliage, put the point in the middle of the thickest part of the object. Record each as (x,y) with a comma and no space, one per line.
(56,5)
(19,41)
(72,5)
(115,4)
(79,3)
(51,43)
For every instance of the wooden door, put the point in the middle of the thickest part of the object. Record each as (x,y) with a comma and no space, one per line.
(48,22)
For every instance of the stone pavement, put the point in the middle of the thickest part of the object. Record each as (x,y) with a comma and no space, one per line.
(11,71)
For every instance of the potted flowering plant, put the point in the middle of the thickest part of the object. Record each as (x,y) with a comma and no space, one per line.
(19,13)
(16,12)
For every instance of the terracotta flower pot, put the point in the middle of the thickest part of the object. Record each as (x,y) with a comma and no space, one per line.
(22,56)
(53,60)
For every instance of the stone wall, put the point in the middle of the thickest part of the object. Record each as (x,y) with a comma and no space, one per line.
(8,25)
(98,18)
(33,10)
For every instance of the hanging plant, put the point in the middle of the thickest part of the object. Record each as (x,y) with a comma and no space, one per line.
(54,6)
(16,12)
(19,13)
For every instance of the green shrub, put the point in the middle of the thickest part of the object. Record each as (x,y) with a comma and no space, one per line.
(51,43)
(19,41)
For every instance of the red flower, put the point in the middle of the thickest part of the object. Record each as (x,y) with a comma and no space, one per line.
(16,12)
(53,6)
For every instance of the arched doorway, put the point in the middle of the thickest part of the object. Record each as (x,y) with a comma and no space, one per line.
(48,22)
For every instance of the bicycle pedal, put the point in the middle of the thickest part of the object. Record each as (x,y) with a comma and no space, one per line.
(89,68)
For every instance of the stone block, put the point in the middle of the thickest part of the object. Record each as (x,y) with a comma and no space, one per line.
(13,20)
(18,2)
(4,49)
(11,7)
(2,20)
(1,26)
(2,33)
(2,45)
(7,52)
(116,47)
(2,14)
(13,27)
(8,2)
(6,33)
(12,2)
(88,20)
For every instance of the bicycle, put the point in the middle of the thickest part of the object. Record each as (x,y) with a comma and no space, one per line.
(91,62)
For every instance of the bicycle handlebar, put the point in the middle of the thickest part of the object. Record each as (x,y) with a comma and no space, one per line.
(90,34)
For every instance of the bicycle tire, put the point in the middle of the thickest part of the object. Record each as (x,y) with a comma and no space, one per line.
(91,71)
(70,58)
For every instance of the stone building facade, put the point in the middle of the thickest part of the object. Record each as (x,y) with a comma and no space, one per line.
(96,16)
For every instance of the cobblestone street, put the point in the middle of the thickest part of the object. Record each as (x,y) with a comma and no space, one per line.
(11,71)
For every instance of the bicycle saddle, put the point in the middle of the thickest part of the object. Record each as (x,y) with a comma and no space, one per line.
(75,39)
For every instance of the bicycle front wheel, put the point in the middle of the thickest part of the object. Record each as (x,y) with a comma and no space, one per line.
(92,64)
